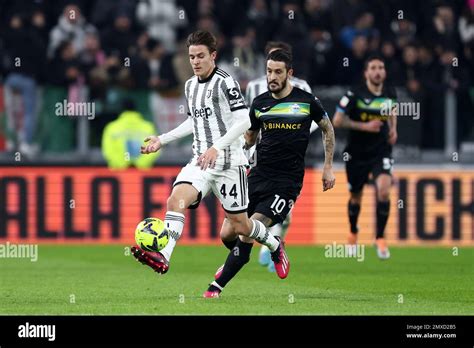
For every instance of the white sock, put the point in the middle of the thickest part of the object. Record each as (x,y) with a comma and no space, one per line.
(174,222)
(261,235)
(276,230)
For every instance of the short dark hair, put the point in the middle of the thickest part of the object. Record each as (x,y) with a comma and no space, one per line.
(371,58)
(202,37)
(281,56)
(277,44)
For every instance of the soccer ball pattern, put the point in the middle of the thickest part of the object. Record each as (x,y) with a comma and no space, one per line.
(151,235)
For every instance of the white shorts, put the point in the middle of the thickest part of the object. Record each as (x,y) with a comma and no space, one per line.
(229,186)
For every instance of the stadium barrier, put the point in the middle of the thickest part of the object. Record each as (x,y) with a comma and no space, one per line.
(96,205)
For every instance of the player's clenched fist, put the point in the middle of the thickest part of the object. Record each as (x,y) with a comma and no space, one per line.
(328,179)
(153,144)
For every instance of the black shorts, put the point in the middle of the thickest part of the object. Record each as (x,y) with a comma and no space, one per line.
(271,198)
(358,169)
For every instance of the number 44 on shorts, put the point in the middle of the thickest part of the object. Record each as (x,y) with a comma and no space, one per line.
(232,192)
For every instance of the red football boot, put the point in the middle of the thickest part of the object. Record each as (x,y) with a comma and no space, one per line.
(212,294)
(280,260)
(154,260)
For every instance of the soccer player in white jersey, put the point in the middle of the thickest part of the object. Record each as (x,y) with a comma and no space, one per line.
(255,88)
(218,117)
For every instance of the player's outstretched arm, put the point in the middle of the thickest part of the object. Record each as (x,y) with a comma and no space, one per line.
(341,120)
(154,143)
(328,142)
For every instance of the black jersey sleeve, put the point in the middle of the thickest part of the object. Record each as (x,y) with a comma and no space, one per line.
(347,102)
(316,110)
(253,119)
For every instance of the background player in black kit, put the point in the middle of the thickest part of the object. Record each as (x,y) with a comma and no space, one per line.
(284,115)
(369,112)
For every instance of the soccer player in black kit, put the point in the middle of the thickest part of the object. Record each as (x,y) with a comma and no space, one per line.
(283,114)
(369,112)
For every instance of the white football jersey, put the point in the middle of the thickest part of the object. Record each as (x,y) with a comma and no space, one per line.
(210,105)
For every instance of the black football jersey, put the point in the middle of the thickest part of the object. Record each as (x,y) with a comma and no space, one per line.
(363,106)
(285,125)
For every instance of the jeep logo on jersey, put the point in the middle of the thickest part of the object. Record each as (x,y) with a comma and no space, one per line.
(202,112)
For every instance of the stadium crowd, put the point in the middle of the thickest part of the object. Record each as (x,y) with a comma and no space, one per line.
(428,46)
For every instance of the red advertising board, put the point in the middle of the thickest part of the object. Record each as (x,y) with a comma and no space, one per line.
(97,205)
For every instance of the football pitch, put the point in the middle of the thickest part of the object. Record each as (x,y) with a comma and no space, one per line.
(106,280)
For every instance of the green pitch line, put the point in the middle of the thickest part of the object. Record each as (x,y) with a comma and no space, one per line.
(102,280)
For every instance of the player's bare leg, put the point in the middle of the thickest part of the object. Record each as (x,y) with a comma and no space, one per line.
(181,198)
(383,184)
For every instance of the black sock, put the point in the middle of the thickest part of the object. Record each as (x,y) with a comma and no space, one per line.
(354,210)
(237,258)
(230,244)
(213,288)
(383,209)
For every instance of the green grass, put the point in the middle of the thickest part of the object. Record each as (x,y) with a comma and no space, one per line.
(104,281)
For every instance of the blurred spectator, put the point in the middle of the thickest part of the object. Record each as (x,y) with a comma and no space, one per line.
(119,40)
(411,71)
(455,78)
(317,15)
(444,28)
(404,32)
(321,56)
(72,26)
(350,66)
(363,26)
(105,11)
(260,18)
(24,63)
(392,64)
(154,69)
(243,62)
(181,65)
(292,28)
(466,24)
(466,31)
(93,62)
(39,25)
(345,12)
(64,69)
(229,14)
(161,18)
(123,137)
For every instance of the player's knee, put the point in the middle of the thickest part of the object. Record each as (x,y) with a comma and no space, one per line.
(383,195)
(228,234)
(356,197)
